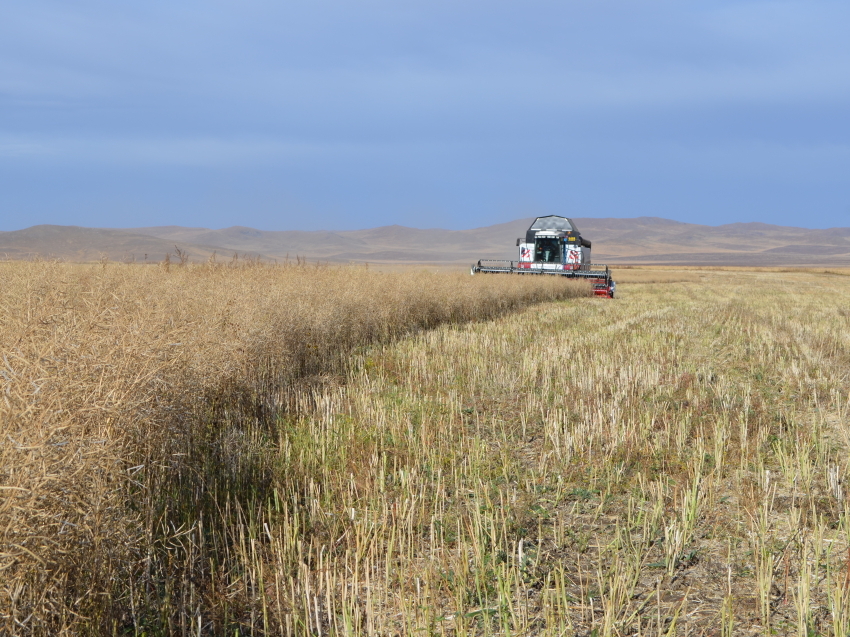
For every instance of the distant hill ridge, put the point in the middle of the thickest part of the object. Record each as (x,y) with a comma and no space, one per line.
(641,240)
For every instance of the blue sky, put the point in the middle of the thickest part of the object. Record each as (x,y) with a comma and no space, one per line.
(334,114)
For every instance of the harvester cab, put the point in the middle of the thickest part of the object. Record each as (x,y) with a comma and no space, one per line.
(554,245)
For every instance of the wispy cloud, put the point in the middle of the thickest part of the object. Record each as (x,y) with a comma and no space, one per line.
(455,100)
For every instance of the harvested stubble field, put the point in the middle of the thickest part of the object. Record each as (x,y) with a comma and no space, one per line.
(337,452)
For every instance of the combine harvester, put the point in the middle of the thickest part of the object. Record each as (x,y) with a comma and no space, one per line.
(553,245)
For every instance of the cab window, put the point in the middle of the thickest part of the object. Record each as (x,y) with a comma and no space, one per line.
(547,250)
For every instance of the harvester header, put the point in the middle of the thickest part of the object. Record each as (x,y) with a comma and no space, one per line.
(553,245)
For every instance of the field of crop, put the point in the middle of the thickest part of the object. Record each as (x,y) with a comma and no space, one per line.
(144,413)
(297,451)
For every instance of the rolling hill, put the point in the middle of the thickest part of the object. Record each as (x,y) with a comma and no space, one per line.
(641,240)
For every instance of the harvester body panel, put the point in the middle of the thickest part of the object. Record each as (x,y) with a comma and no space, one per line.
(553,245)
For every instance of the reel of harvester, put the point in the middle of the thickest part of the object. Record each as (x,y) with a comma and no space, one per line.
(553,246)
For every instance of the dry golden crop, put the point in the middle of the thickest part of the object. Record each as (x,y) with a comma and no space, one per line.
(140,407)
(234,462)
